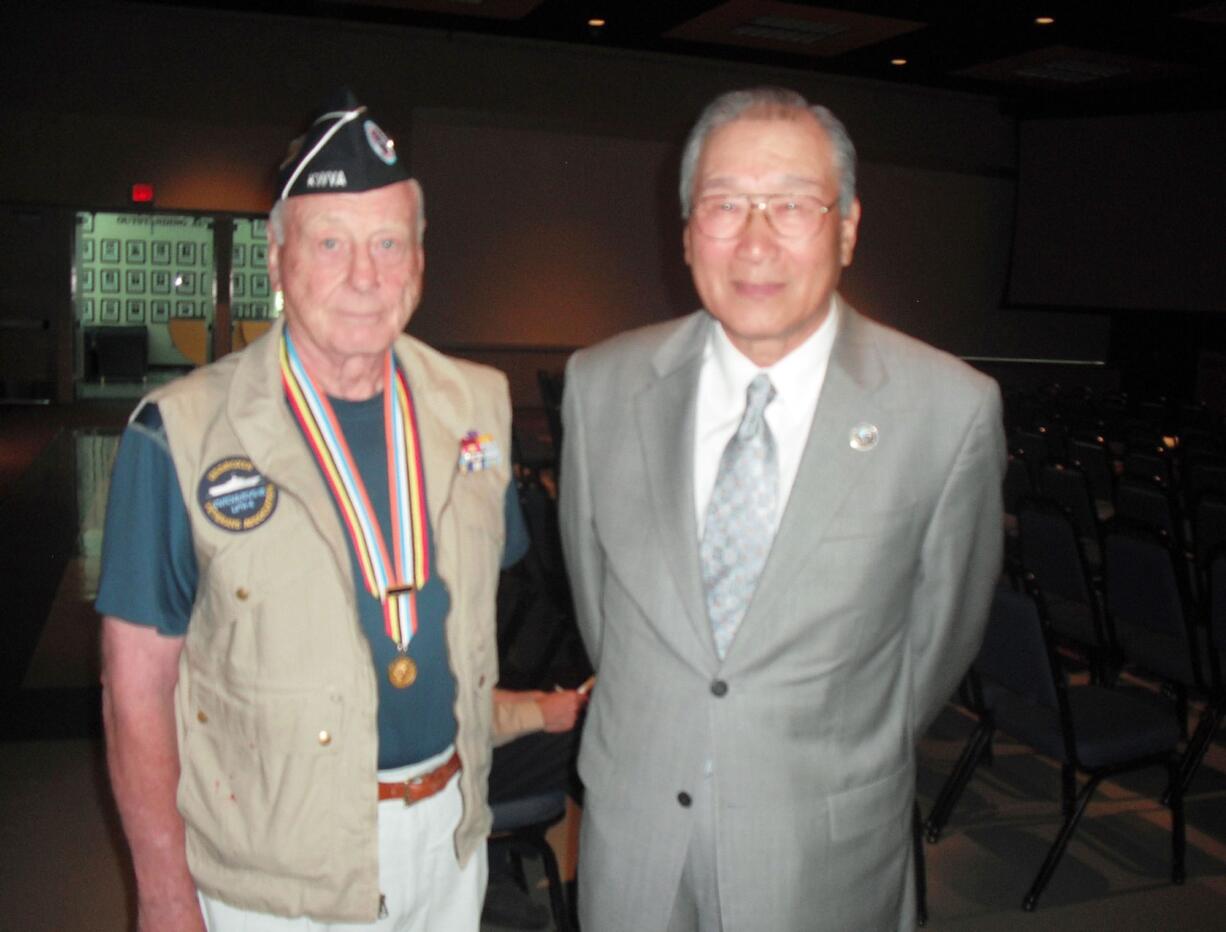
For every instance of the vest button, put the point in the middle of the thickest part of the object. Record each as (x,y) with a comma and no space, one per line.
(719,688)
(242,594)
(325,738)
(202,716)
(684,798)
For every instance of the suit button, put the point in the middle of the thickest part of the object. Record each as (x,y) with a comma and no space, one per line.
(719,688)
(684,798)
(324,739)
(242,594)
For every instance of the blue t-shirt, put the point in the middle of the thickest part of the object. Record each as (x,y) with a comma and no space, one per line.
(149,573)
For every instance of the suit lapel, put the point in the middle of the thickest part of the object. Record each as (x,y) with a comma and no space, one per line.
(665,414)
(829,467)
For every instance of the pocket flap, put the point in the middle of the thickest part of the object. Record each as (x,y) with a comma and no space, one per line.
(863,808)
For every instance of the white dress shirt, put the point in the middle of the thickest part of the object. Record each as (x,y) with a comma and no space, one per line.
(722,382)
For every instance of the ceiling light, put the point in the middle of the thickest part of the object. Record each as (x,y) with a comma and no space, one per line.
(899,62)
(595,22)
(1044,20)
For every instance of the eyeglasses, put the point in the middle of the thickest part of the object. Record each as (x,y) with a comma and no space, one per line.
(725,216)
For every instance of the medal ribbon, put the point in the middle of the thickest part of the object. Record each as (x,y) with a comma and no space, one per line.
(394,578)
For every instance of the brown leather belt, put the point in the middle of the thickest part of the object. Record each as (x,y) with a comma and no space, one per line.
(423,786)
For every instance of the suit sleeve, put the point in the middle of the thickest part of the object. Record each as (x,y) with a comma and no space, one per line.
(580,546)
(960,562)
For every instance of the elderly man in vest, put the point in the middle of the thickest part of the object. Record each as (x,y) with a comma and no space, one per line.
(303,543)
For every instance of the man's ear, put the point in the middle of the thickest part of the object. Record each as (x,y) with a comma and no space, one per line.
(848,228)
(274,260)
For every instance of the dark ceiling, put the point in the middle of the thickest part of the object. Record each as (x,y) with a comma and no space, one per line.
(1126,55)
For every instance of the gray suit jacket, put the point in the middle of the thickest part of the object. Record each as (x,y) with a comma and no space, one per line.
(868,611)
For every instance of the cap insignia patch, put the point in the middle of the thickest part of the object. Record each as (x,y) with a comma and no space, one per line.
(380,143)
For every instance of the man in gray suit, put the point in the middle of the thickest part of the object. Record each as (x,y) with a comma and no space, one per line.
(782,523)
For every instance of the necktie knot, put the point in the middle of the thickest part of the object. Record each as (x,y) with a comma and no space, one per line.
(758,395)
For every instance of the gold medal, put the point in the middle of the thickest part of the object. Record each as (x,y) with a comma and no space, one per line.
(402,672)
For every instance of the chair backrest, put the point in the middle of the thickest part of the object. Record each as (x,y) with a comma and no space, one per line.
(1201,440)
(1055,435)
(1208,525)
(1017,484)
(551,385)
(1149,603)
(540,512)
(1067,486)
(1094,459)
(1215,617)
(1202,475)
(1052,552)
(1148,463)
(1143,585)
(537,634)
(1033,447)
(1146,502)
(1015,653)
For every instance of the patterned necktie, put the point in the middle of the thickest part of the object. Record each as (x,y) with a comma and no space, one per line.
(741,516)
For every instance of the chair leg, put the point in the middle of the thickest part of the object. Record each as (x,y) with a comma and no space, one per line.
(1068,789)
(921,870)
(1206,727)
(1181,709)
(1178,835)
(517,869)
(1057,849)
(557,896)
(974,750)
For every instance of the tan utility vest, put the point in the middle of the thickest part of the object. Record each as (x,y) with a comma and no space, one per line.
(276,699)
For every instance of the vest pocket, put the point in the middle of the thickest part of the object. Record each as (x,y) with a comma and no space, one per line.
(259,775)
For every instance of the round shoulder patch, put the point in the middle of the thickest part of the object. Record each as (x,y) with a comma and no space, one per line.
(234,496)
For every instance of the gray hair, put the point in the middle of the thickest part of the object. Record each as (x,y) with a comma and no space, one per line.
(770,102)
(276,216)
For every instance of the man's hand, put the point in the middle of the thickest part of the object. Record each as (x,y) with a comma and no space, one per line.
(560,709)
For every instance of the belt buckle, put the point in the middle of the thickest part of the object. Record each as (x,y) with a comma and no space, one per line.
(410,786)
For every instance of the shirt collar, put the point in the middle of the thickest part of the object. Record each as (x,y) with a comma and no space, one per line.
(797,376)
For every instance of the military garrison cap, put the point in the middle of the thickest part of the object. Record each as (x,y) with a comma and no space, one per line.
(344,151)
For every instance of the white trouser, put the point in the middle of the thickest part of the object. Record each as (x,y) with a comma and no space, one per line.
(423,887)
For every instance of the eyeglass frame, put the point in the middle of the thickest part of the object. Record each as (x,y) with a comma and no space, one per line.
(760,203)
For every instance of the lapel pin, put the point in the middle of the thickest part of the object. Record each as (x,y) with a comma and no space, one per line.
(864,437)
(477,451)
